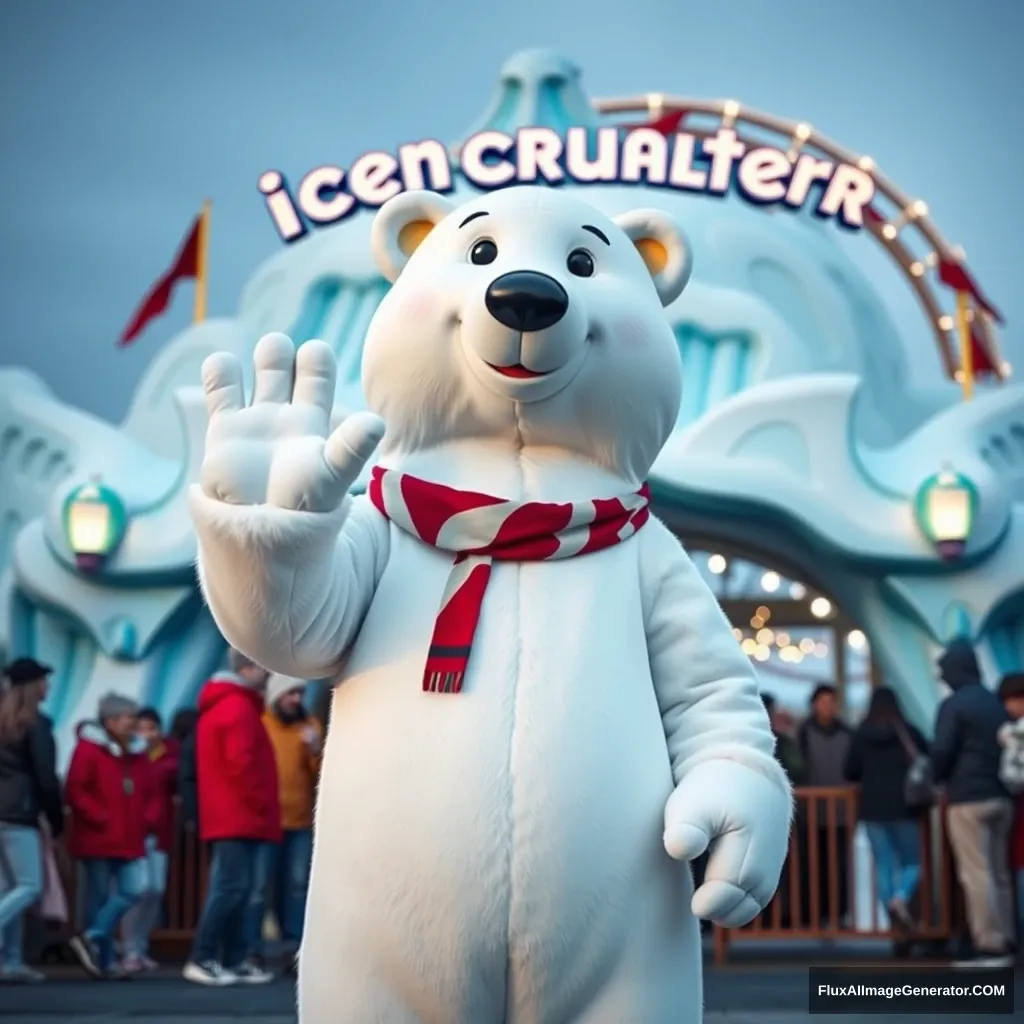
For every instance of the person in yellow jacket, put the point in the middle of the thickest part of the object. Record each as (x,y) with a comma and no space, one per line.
(297,739)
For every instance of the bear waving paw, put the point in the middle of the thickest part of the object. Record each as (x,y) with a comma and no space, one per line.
(283,448)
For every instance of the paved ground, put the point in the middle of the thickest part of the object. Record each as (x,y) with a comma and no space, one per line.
(739,994)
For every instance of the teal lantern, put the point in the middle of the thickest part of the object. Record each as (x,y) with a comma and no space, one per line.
(946,507)
(94,523)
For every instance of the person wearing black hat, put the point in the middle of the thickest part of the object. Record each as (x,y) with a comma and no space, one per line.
(29,790)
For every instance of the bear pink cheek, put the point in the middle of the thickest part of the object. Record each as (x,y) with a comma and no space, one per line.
(632,334)
(419,306)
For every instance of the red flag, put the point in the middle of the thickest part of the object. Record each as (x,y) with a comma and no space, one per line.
(954,275)
(668,124)
(186,265)
(981,361)
(872,216)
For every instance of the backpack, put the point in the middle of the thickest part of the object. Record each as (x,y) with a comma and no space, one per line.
(1011,764)
(919,790)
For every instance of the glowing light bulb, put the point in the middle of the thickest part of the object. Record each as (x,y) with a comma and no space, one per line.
(945,323)
(770,581)
(918,208)
(856,639)
(762,653)
(821,607)
(737,632)
(866,163)
(765,636)
(756,622)
(764,612)
(807,645)
(748,647)
(731,110)
(797,591)
(821,650)
(803,132)
(917,268)
(781,639)
(717,564)
(889,232)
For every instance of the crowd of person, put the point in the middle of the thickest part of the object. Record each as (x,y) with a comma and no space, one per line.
(974,763)
(244,765)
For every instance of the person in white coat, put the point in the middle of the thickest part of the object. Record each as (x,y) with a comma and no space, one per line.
(541,714)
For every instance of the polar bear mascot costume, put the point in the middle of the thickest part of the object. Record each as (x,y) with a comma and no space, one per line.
(541,714)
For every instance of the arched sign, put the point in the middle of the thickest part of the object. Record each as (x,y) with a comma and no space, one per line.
(714,158)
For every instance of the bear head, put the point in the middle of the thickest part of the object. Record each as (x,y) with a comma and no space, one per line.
(528,316)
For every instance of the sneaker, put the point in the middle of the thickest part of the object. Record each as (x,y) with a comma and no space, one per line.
(86,953)
(899,914)
(132,964)
(20,975)
(250,973)
(209,972)
(985,960)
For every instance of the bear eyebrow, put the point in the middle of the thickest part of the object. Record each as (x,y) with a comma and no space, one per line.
(473,216)
(597,231)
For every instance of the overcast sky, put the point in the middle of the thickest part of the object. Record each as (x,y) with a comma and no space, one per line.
(119,116)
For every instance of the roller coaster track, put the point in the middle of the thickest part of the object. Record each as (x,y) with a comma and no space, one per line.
(904,232)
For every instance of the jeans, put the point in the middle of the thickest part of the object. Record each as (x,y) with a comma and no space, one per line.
(232,920)
(290,881)
(113,887)
(21,884)
(896,847)
(140,921)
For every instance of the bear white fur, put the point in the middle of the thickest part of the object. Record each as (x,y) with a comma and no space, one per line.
(517,853)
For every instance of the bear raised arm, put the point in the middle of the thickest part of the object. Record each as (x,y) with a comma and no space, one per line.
(272,507)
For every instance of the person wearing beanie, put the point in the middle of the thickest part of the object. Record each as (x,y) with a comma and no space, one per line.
(297,739)
(239,816)
(965,758)
(29,794)
(113,806)
(162,753)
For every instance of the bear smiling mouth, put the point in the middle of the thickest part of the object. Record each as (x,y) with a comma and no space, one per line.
(517,371)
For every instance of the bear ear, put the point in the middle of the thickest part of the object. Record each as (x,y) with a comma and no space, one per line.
(663,248)
(401,225)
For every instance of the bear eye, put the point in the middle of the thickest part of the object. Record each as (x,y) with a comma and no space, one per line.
(483,252)
(580,263)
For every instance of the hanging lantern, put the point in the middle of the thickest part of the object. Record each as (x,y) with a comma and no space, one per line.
(94,523)
(946,507)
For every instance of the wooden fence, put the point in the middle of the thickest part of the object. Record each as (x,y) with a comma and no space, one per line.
(822,893)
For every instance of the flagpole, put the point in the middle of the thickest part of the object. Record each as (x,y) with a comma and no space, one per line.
(199,309)
(966,347)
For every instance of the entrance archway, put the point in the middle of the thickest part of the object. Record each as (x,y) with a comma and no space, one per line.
(797,635)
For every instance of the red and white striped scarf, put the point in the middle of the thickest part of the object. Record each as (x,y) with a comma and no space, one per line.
(479,529)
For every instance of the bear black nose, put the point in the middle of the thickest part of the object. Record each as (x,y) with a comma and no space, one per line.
(526,301)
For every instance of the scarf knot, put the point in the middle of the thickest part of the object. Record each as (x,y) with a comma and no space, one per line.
(479,529)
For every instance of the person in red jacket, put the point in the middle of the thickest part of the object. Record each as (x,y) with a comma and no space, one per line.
(113,808)
(240,817)
(163,754)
